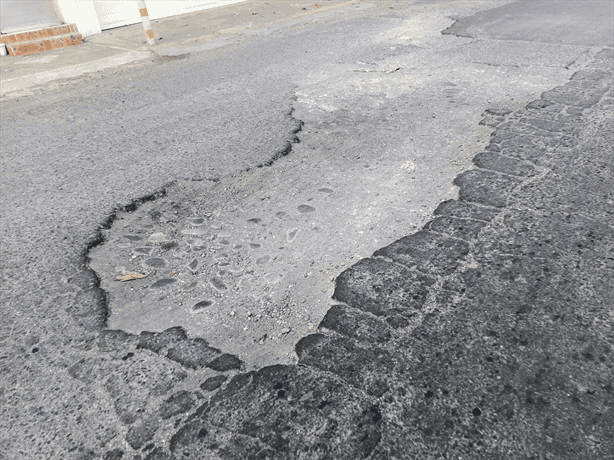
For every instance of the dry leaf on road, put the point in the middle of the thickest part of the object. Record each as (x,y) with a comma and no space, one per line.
(128,276)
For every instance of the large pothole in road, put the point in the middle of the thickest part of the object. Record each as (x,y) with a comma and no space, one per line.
(248,262)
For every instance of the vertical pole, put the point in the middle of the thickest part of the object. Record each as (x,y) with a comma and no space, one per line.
(146,22)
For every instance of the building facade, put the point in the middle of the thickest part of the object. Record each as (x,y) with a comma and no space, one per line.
(91,16)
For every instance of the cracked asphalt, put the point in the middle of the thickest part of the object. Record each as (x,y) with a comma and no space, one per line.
(356,237)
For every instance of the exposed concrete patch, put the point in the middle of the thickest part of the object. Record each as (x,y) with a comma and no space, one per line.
(250,267)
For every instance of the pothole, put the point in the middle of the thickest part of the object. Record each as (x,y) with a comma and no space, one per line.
(250,271)
(248,262)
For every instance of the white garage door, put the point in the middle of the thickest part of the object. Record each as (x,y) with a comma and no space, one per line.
(21,15)
(116,13)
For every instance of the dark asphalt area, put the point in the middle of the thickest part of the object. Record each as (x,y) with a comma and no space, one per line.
(579,22)
(514,358)
(486,334)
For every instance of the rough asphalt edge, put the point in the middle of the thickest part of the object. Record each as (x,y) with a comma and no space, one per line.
(353,394)
(157,342)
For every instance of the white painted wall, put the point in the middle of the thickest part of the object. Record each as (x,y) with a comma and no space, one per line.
(113,13)
(22,15)
(93,16)
(164,8)
(79,12)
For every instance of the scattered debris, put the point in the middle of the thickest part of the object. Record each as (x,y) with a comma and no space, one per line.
(166,58)
(128,276)
(382,71)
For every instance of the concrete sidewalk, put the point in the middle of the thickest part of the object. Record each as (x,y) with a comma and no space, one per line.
(201,31)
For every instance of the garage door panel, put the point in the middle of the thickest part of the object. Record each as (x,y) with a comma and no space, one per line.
(20,15)
(116,13)
(163,8)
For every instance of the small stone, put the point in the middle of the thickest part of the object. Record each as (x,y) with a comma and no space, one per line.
(273,278)
(291,234)
(196,221)
(263,260)
(200,306)
(155,262)
(158,238)
(133,237)
(164,282)
(304,209)
(193,265)
(169,246)
(193,231)
(285,331)
(190,286)
(218,284)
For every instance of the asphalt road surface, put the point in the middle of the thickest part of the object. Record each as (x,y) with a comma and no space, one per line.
(259,197)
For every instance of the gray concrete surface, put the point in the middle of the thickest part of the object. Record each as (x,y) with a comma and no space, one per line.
(486,334)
